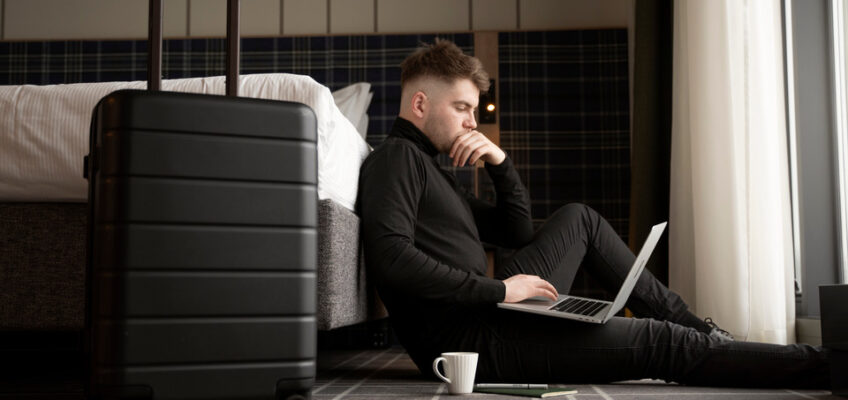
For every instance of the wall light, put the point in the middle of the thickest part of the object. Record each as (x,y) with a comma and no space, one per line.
(488,105)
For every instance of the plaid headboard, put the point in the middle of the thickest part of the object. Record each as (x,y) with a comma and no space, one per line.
(335,61)
(564,95)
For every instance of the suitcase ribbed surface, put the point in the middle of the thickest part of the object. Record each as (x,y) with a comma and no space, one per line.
(203,235)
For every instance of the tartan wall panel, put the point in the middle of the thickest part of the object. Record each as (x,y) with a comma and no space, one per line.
(335,61)
(565,120)
(563,112)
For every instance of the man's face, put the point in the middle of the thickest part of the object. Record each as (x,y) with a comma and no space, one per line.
(450,113)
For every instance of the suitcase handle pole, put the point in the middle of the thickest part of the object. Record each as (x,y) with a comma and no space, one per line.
(232,47)
(154,46)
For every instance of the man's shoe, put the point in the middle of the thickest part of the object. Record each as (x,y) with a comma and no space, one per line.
(718,333)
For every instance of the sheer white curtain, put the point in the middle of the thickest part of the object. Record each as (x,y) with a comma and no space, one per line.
(730,224)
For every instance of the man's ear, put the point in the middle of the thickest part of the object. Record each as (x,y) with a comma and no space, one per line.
(419,104)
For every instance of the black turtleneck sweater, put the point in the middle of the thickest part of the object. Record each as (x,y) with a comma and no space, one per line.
(422,233)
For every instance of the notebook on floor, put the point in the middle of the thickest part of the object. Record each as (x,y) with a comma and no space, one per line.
(592,310)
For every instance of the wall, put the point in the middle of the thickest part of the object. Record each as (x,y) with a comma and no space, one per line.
(127,19)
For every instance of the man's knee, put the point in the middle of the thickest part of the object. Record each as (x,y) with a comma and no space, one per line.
(574,213)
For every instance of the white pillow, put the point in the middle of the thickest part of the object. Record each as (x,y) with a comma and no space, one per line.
(44,134)
(353,102)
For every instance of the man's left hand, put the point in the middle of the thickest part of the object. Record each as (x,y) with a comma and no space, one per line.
(473,146)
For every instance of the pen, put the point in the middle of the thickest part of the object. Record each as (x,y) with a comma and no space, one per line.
(511,386)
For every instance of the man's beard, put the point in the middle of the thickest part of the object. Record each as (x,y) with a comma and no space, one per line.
(431,130)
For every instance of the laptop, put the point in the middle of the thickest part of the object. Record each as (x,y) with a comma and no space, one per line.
(592,310)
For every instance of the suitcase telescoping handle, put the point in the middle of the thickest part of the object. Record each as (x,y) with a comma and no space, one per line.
(154,46)
(154,57)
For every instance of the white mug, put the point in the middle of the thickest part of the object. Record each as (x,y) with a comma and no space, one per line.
(459,371)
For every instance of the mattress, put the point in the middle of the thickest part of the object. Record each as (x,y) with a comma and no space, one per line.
(42,267)
(44,133)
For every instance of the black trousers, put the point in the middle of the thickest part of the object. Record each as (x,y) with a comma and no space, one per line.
(522,347)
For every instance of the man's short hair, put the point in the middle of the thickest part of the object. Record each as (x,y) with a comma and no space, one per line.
(445,61)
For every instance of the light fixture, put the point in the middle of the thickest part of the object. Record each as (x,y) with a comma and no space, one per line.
(488,106)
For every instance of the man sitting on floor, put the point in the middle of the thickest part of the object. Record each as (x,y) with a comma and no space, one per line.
(422,237)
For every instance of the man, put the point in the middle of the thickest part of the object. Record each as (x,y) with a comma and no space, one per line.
(422,237)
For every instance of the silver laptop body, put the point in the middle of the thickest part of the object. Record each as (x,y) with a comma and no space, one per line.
(592,310)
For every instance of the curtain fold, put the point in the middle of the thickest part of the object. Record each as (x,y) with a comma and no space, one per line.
(730,228)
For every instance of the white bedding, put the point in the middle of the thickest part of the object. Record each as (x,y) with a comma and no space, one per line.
(44,134)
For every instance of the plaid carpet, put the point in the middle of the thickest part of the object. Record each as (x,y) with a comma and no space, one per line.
(390,374)
(386,374)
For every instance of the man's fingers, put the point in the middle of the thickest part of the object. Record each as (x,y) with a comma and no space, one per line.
(545,293)
(544,288)
(467,151)
(463,149)
(474,152)
(471,151)
(456,143)
(476,155)
(458,157)
(551,288)
(520,287)
(459,142)
(547,290)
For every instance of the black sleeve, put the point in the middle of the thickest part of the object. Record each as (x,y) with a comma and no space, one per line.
(391,185)
(508,222)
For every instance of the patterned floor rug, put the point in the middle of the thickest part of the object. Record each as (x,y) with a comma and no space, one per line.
(391,374)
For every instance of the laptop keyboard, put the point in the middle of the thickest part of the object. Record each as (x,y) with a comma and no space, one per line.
(579,306)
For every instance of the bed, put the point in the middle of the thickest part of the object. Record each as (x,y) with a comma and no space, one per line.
(43,138)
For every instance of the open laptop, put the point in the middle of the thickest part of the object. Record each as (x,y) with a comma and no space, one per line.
(591,310)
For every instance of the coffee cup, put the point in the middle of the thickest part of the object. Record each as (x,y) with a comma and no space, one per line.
(460,368)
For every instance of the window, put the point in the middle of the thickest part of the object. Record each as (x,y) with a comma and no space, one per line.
(815,66)
(840,117)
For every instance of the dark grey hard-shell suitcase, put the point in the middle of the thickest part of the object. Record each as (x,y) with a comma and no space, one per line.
(202,244)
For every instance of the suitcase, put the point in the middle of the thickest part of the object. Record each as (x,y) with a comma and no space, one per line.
(202,245)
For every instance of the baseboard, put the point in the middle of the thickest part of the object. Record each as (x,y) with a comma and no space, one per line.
(808,330)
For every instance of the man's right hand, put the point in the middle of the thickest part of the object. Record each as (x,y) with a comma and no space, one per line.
(520,287)
(472,146)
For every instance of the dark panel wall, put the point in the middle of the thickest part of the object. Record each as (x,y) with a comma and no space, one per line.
(565,118)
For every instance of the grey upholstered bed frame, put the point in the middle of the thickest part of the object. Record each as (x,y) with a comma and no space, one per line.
(42,267)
